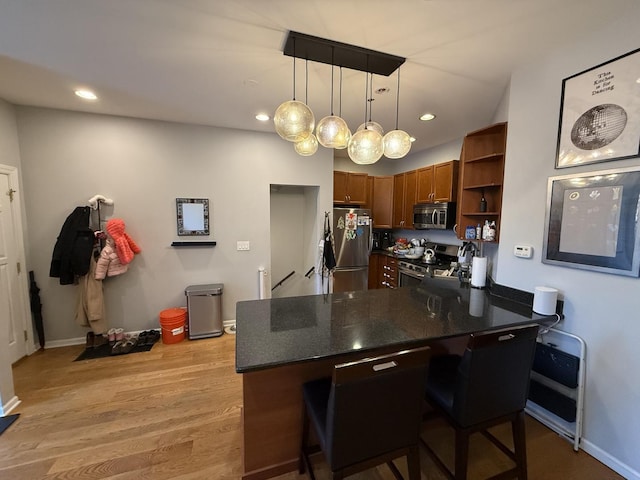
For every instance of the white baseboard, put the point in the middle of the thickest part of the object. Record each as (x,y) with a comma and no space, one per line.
(613,463)
(10,405)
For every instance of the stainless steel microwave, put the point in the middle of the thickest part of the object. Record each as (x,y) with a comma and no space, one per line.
(440,216)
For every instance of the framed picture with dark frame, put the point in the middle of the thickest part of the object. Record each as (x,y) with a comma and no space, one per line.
(600,113)
(192,215)
(592,221)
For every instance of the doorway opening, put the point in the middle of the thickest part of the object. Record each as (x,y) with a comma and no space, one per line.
(294,240)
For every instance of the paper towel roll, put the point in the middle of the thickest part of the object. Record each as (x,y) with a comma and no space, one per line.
(479,272)
(544,300)
(476,302)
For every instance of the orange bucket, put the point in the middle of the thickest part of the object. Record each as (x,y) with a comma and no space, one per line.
(172,323)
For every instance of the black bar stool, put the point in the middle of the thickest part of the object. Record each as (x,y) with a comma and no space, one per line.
(367,414)
(486,386)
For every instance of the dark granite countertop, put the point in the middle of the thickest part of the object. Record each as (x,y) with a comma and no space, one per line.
(290,330)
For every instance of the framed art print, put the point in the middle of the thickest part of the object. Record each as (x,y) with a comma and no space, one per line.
(592,221)
(600,113)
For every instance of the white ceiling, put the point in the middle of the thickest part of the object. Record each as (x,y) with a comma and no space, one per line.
(220,62)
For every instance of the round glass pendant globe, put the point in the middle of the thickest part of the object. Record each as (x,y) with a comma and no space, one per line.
(372,126)
(294,121)
(307,146)
(333,132)
(397,144)
(365,147)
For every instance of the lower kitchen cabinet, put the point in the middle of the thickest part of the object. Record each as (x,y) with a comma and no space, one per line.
(383,271)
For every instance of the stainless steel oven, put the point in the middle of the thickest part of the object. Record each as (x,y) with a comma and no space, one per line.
(410,274)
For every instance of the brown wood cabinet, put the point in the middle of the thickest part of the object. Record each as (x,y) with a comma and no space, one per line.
(481,175)
(438,183)
(405,189)
(374,270)
(382,201)
(383,271)
(388,272)
(349,188)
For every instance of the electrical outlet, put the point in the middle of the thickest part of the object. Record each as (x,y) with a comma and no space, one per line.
(243,246)
(523,251)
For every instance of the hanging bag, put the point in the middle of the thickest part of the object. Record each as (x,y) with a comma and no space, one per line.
(328,256)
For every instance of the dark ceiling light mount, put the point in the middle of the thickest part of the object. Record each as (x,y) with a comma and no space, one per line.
(308,47)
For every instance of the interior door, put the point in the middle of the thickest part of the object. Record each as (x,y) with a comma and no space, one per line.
(11,275)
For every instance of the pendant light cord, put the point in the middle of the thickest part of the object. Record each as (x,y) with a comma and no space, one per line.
(294,68)
(331,107)
(340,105)
(306,82)
(398,99)
(371,97)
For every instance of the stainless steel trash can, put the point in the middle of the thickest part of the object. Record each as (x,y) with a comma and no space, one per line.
(204,306)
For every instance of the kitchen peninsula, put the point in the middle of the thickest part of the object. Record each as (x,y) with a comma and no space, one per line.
(282,343)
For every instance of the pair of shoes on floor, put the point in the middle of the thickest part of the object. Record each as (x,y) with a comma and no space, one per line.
(95,340)
(115,335)
(148,337)
(124,346)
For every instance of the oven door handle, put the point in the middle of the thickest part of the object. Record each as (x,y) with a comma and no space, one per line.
(410,273)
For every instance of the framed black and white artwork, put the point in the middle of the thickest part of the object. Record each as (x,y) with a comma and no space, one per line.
(600,113)
(592,221)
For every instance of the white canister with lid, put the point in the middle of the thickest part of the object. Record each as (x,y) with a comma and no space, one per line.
(544,300)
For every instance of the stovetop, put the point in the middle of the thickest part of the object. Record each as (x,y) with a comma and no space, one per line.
(445,255)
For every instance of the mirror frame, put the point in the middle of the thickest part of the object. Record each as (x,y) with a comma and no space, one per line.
(184,230)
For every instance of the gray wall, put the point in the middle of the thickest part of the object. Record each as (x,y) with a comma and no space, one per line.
(143,166)
(600,308)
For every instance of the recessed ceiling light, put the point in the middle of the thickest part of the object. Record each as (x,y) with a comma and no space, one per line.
(86,94)
(263,117)
(427,116)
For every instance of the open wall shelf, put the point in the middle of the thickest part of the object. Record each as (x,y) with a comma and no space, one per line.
(193,244)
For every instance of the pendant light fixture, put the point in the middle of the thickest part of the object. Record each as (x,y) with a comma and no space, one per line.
(294,120)
(309,145)
(397,143)
(332,131)
(366,146)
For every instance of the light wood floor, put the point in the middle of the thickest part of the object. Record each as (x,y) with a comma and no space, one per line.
(174,413)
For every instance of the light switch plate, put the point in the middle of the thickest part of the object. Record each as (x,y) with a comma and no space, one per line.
(523,251)
(243,246)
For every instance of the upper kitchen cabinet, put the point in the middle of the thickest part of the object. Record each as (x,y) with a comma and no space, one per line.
(438,183)
(405,194)
(349,188)
(481,176)
(381,201)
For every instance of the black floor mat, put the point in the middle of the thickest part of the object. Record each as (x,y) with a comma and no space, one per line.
(5,422)
(105,351)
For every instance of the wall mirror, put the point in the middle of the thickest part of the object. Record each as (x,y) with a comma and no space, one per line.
(193,216)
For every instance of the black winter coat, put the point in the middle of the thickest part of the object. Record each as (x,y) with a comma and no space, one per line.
(72,252)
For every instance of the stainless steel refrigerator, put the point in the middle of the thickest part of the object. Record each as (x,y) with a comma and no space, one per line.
(352,243)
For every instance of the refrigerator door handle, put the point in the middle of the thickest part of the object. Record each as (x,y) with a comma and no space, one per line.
(370,235)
